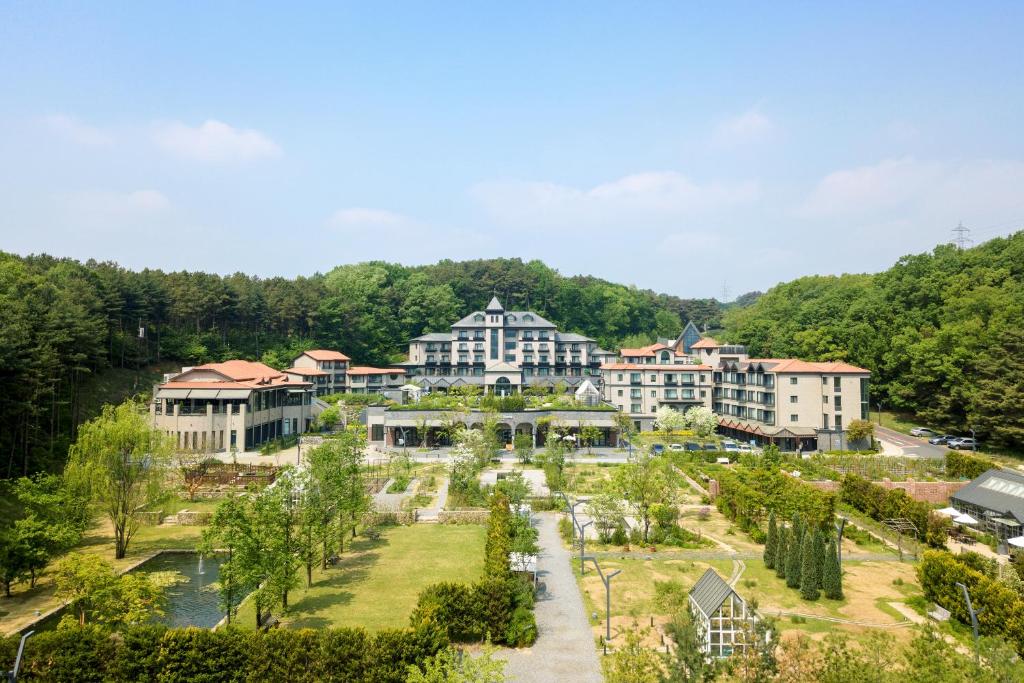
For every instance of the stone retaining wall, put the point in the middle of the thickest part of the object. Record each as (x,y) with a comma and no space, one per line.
(194,518)
(463,516)
(924,491)
(402,517)
(151,518)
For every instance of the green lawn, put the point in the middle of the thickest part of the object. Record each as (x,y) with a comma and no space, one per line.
(376,583)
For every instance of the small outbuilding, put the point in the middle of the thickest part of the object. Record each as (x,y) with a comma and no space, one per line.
(994,502)
(722,618)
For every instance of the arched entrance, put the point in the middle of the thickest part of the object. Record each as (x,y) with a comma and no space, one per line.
(502,386)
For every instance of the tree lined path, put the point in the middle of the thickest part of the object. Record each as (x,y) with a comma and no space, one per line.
(564,650)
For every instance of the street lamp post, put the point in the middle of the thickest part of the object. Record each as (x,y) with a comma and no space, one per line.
(974,619)
(606,579)
(839,543)
(12,675)
(974,441)
(879,406)
(583,539)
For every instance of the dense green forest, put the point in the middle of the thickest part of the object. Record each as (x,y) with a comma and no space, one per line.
(64,323)
(942,332)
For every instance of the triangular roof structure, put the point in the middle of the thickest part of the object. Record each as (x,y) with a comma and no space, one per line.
(710,592)
(495,306)
(688,337)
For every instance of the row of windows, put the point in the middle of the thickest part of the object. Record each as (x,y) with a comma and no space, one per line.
(670,394)
(669,377)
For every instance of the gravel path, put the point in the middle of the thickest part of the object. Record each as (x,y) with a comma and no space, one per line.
(564,651)
(384,501)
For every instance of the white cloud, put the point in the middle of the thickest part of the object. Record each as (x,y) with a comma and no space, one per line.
(364,217)
(748,128)
(103,203)
(655,196)
(77,131)
(910,191)
(214,142)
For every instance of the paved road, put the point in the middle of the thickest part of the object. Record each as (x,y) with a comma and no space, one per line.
(564,651)
(911,445)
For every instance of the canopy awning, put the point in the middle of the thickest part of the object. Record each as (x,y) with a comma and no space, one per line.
(234,393)
(1017,542)
(965,519)
(949,512)
(172,393)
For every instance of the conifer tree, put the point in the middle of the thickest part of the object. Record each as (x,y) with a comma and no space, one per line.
(808,569)
(781,550)
(819,555)
(794,558)
(832,579)
(770,542)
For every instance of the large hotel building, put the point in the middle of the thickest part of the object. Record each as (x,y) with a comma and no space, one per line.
(793,403)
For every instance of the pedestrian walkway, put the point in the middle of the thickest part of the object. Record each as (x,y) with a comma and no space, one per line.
(430,514)
(564,650)
(390,502)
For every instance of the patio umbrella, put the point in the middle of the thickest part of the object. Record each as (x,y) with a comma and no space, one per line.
(949,512)
(1017,542)
(965,519)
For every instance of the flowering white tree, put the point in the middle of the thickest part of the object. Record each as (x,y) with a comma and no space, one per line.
(668,420)
(702,421)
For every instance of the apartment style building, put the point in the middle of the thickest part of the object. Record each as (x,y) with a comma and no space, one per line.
(793,403)
(327,370)
(367,380)
(503,352)
(234,405)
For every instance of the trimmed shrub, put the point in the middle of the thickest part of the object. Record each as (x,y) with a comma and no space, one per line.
(967,465)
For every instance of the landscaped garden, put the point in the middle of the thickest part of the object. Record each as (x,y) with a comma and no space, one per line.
(376,582)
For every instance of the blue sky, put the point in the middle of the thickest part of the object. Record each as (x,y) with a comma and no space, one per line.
(678,147)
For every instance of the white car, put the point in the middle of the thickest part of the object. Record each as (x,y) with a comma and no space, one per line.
(675,447)
(730,447)
(922,431)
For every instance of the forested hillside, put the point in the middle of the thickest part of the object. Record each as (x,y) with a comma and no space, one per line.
(942,332)
(62,322)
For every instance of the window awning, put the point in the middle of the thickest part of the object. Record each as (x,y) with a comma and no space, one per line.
(172,393)
(234,393)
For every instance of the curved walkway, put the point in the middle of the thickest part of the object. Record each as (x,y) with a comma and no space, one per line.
(564,651)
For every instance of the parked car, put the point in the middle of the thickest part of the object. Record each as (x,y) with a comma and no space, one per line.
(922,431)
(675,447)
(941,439)
(963,444)
(730,447)
(691,446)
(711,447)
(658,448)
(746,448)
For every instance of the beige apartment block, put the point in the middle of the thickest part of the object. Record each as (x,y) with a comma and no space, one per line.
(234,405)
(325,369)
(793,403)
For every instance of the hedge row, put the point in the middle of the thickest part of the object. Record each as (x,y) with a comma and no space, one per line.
(156,654)
(880,503)
(967,465)
(747,495)
(1001,608)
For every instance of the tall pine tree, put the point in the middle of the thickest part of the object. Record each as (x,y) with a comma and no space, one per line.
(832,579)
(808,569)
(819,555)
(770,542)
(781,552)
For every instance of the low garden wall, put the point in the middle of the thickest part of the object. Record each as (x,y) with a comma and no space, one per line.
(924,491)
(194,518)
(398,517)
(463,516)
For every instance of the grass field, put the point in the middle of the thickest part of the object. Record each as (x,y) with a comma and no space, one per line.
(376,584)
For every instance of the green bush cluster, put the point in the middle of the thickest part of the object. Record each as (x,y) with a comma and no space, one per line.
(745,496)
(880,503)
(499,607)
(967,465)
(157,654)
(1001,609)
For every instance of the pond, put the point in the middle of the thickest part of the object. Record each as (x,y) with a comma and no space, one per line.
(192,602)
